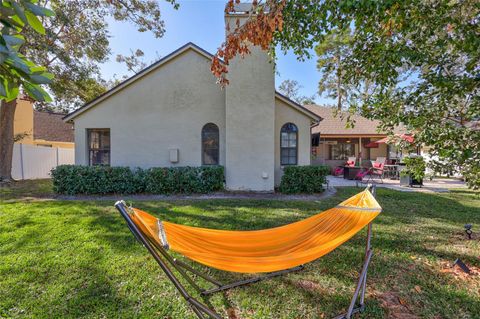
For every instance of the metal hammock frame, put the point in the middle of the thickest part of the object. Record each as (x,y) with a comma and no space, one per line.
(167,263)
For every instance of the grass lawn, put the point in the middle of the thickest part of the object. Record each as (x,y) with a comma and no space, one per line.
(77,259)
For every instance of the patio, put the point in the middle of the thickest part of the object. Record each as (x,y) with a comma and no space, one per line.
(437,185)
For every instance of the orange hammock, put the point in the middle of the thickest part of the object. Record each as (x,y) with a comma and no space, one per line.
(265,250)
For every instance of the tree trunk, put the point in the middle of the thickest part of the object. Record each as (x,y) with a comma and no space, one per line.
(7,114)
(339,84)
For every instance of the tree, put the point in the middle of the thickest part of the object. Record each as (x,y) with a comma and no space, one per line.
(421,56)
(332,54)
(75,42)
(16,71)
(291,89)
(134,62)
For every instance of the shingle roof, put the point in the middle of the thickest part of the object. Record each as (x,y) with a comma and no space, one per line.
(50,127)
(331,125)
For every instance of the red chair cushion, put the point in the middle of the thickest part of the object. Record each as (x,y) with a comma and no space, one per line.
(378,165)
(338,171)
(350,163)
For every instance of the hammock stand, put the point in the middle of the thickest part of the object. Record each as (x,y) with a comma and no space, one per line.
(200,309)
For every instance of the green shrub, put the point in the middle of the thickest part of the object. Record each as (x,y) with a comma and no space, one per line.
(76,179)
(204,179)
(414,166)
(304,179)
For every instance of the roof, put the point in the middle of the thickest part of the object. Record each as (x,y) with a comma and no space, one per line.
(335,125)
(50,127)
(158,64)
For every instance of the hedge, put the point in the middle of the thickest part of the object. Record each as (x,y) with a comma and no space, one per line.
(77,179)
(304,179)
(203,179)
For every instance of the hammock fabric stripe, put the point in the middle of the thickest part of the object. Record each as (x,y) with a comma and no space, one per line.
(265,250)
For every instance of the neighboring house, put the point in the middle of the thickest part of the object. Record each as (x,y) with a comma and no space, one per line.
(333,142)
(173,113)
(41,128)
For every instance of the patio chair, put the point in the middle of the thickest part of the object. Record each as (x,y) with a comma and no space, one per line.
(371,175)
(376,171)
(276,251)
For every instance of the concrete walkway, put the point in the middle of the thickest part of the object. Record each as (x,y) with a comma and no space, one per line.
(437,185)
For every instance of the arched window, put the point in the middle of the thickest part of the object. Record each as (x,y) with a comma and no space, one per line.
(210,144)
(288,144)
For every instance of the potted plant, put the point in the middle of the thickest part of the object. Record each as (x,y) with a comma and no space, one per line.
(414,171)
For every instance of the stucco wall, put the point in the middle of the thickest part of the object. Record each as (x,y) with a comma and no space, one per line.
(250,121)
(285,114)
(380,151)
(23,121)
(166,108)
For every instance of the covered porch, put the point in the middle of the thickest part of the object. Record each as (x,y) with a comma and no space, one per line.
(335,150)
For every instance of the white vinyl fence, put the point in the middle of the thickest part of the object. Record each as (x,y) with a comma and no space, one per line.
(33,162)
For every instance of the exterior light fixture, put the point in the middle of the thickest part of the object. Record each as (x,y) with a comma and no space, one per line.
(468,230)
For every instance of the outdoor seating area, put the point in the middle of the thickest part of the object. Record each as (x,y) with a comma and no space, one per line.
(353,170)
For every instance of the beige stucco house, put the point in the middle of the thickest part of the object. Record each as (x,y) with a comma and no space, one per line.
(37,128)
(173,113)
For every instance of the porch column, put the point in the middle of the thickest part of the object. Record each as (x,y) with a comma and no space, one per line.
(360,151)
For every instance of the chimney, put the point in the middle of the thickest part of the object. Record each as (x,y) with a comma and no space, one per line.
(250,115)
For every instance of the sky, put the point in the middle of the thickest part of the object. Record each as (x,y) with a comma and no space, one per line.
(200,22)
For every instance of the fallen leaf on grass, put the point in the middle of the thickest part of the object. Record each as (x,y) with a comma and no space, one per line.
(396,307)
(232,313)
(308,285)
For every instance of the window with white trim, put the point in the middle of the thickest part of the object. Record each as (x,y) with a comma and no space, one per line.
(98,146)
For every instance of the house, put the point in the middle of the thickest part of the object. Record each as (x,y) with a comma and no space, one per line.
(173,113)
(40,128)
(333,142)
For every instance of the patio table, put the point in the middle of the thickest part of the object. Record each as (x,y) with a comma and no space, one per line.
(391,171)
(349,172)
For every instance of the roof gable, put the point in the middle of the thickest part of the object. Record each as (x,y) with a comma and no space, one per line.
(139,75)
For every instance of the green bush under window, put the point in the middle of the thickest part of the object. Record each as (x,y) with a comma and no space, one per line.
(76,179)
(186,180)
(304,179)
